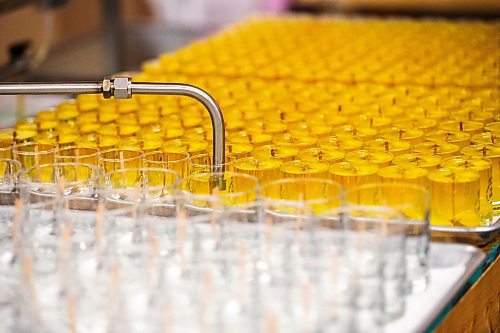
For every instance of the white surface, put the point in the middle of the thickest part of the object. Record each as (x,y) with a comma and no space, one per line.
(451,266)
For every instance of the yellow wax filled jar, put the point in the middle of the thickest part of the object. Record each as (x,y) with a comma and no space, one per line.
(410,135)
(67,113)
(108,129)
(329,118)
(86,118)
(7,137)
(116,159)
(301,141)
(403,173)
(192,147)
(239,150)
(493,127)
(441,149)
(319,131)
(394,147)
(255,139)
(26,124)
(483,167)
(264,169)
(471,127)
(492,154)
(126,131)
(305,169)
(284,153)
(87,102)
(423,124)
(375,122)
(380,158)
(328,155)
(359,133)
(103,142)
(77,154)
(487,138)
(342,143)
(460,139)
(177,162)
(350,175)
(22,136)
(424,161)
(474,115)
(427,113)
(455,197)
(107,117)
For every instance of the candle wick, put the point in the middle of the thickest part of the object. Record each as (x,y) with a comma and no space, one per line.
(461,126)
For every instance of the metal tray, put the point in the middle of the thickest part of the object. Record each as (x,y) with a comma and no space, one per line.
(451,267)
(478,236)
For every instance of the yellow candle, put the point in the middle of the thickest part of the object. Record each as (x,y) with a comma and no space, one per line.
(32,154)
(471,127)
(493,127)
(272,128)
(238,150)
(359,133)
(23,136)
(404,173)
(305,169)
(317,130)
(372,121)
(284,153)
(487,138)
(474,115)
(380,158)
(7,137)
(108,129)
(390,146)
(492,154)
(341,143)
(264,169)
(255,139)
(192,147)
(483,167)
(420,160)
(103,142)
(350,175)
(428,113)
(328,155)
(410,135)
(460,139)
(300,141)
(423,124)
(455,197)
(441,149)
(26,124)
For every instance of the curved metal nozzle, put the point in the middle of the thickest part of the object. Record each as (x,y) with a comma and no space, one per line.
(123,88)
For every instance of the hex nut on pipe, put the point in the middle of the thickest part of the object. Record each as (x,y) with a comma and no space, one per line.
(106,88)
(122,88)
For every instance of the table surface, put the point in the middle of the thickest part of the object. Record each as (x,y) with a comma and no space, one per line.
(451,267)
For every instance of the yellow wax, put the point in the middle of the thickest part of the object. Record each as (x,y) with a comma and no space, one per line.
(394,147)
(493,127)
(372,121)
(45,115)
(467,126)
(410,135)
(423,124)
(238,150)
(7,137)
(351,175)
(317,130)
(33,154)
(107,117)
(455,197)
(359,133)
(284,153)
(103,142)
(319,118)
(342,143)
(491,153)
(406,173)
(487,138)
(256,139)
(87,102)
(22,136)
(380,158)
(107,129)
(305,169)
(474,115)
(192,147)
(420,160)
(264,169)
(26,124)
(441,149)
(460,139)
(298,140)
(328,155)
(483,167)
(427,113)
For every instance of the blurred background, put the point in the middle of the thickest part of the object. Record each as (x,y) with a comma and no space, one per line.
(47,40)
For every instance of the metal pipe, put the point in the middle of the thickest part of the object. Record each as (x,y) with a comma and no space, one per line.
(123,88)
(56,88)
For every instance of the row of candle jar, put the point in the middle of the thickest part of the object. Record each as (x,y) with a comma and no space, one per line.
(90,265)
(206,58)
